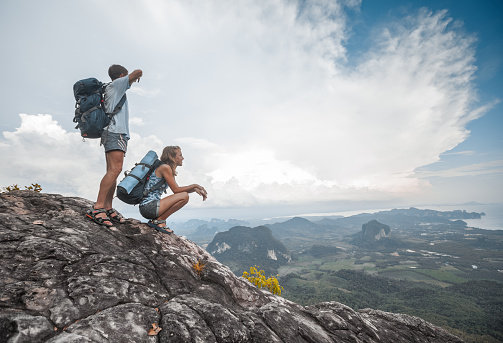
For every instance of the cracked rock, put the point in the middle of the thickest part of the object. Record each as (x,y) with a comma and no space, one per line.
(68,279)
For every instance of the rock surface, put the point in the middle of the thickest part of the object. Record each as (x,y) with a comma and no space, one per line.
(67,279)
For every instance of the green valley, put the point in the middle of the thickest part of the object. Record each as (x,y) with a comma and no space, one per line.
(419,262)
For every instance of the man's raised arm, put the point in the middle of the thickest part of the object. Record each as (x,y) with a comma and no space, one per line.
(135,76)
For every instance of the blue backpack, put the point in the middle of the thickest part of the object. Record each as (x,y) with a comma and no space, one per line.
(131,189)
(90,114)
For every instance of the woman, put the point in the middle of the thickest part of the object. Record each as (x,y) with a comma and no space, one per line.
(152,206)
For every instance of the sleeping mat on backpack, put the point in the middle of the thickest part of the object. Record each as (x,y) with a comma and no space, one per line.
(131,188)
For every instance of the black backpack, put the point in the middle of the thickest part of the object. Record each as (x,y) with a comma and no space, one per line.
(131,189)
(90,114)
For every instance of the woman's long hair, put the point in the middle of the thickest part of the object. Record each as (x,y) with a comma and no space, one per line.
(168,157)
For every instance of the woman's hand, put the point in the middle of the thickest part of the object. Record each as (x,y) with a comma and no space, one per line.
(201,191)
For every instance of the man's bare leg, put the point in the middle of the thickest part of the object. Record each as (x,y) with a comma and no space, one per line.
(114,159)
(110,196)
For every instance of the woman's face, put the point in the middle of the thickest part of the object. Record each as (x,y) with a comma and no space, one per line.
(178,157)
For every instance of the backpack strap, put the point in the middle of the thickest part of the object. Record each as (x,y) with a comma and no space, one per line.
(116,110)
(154,187)
(118,107)
(83,115)
(156,165)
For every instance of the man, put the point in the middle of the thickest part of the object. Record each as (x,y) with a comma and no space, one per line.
(114,139)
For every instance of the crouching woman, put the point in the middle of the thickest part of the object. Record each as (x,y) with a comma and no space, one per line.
(152,206)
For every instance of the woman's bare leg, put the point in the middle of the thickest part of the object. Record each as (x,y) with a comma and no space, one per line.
(171,204)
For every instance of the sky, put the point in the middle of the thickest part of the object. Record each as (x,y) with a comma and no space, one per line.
(281,107)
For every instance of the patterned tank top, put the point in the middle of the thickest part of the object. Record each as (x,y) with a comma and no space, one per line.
(156,194)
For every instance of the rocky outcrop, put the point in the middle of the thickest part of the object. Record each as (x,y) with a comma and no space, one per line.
(374,231)
(67,279)
(243,247)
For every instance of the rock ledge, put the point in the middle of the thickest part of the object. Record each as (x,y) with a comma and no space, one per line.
(67,279)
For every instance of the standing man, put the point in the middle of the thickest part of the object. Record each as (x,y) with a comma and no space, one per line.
(114,139)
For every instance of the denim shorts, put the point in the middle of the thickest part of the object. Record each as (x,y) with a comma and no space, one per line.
(114,141)
(150,210)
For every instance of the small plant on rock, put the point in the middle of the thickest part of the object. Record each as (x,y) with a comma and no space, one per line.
(257,277)
(198,267)
(34,187)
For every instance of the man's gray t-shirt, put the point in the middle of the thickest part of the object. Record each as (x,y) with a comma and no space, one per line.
(113,94)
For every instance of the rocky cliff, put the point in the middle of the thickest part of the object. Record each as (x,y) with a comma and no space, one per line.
(66,279)
(243,247)
(374,231)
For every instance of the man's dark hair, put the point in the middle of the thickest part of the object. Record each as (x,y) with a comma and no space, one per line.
(116,70)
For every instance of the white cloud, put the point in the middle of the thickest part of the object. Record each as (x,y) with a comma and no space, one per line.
(266,107)
(40,151)
(138,121)
(145,93)
(466,153)
(406,103)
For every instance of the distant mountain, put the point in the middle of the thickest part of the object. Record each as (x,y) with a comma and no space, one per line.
(296,226)
(377,237)
(216,225)
(243,247)
(415,212)
(408,217)
(374,231)
(202,231)
(300,234)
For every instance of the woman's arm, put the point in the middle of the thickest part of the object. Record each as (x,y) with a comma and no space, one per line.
(167,174)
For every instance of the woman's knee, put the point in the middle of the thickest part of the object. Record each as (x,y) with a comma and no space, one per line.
(184,196)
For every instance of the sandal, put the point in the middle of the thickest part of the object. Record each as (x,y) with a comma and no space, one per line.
(154,223)
(117,218)
(99,220)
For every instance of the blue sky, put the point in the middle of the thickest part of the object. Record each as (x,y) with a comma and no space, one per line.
(280,107)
